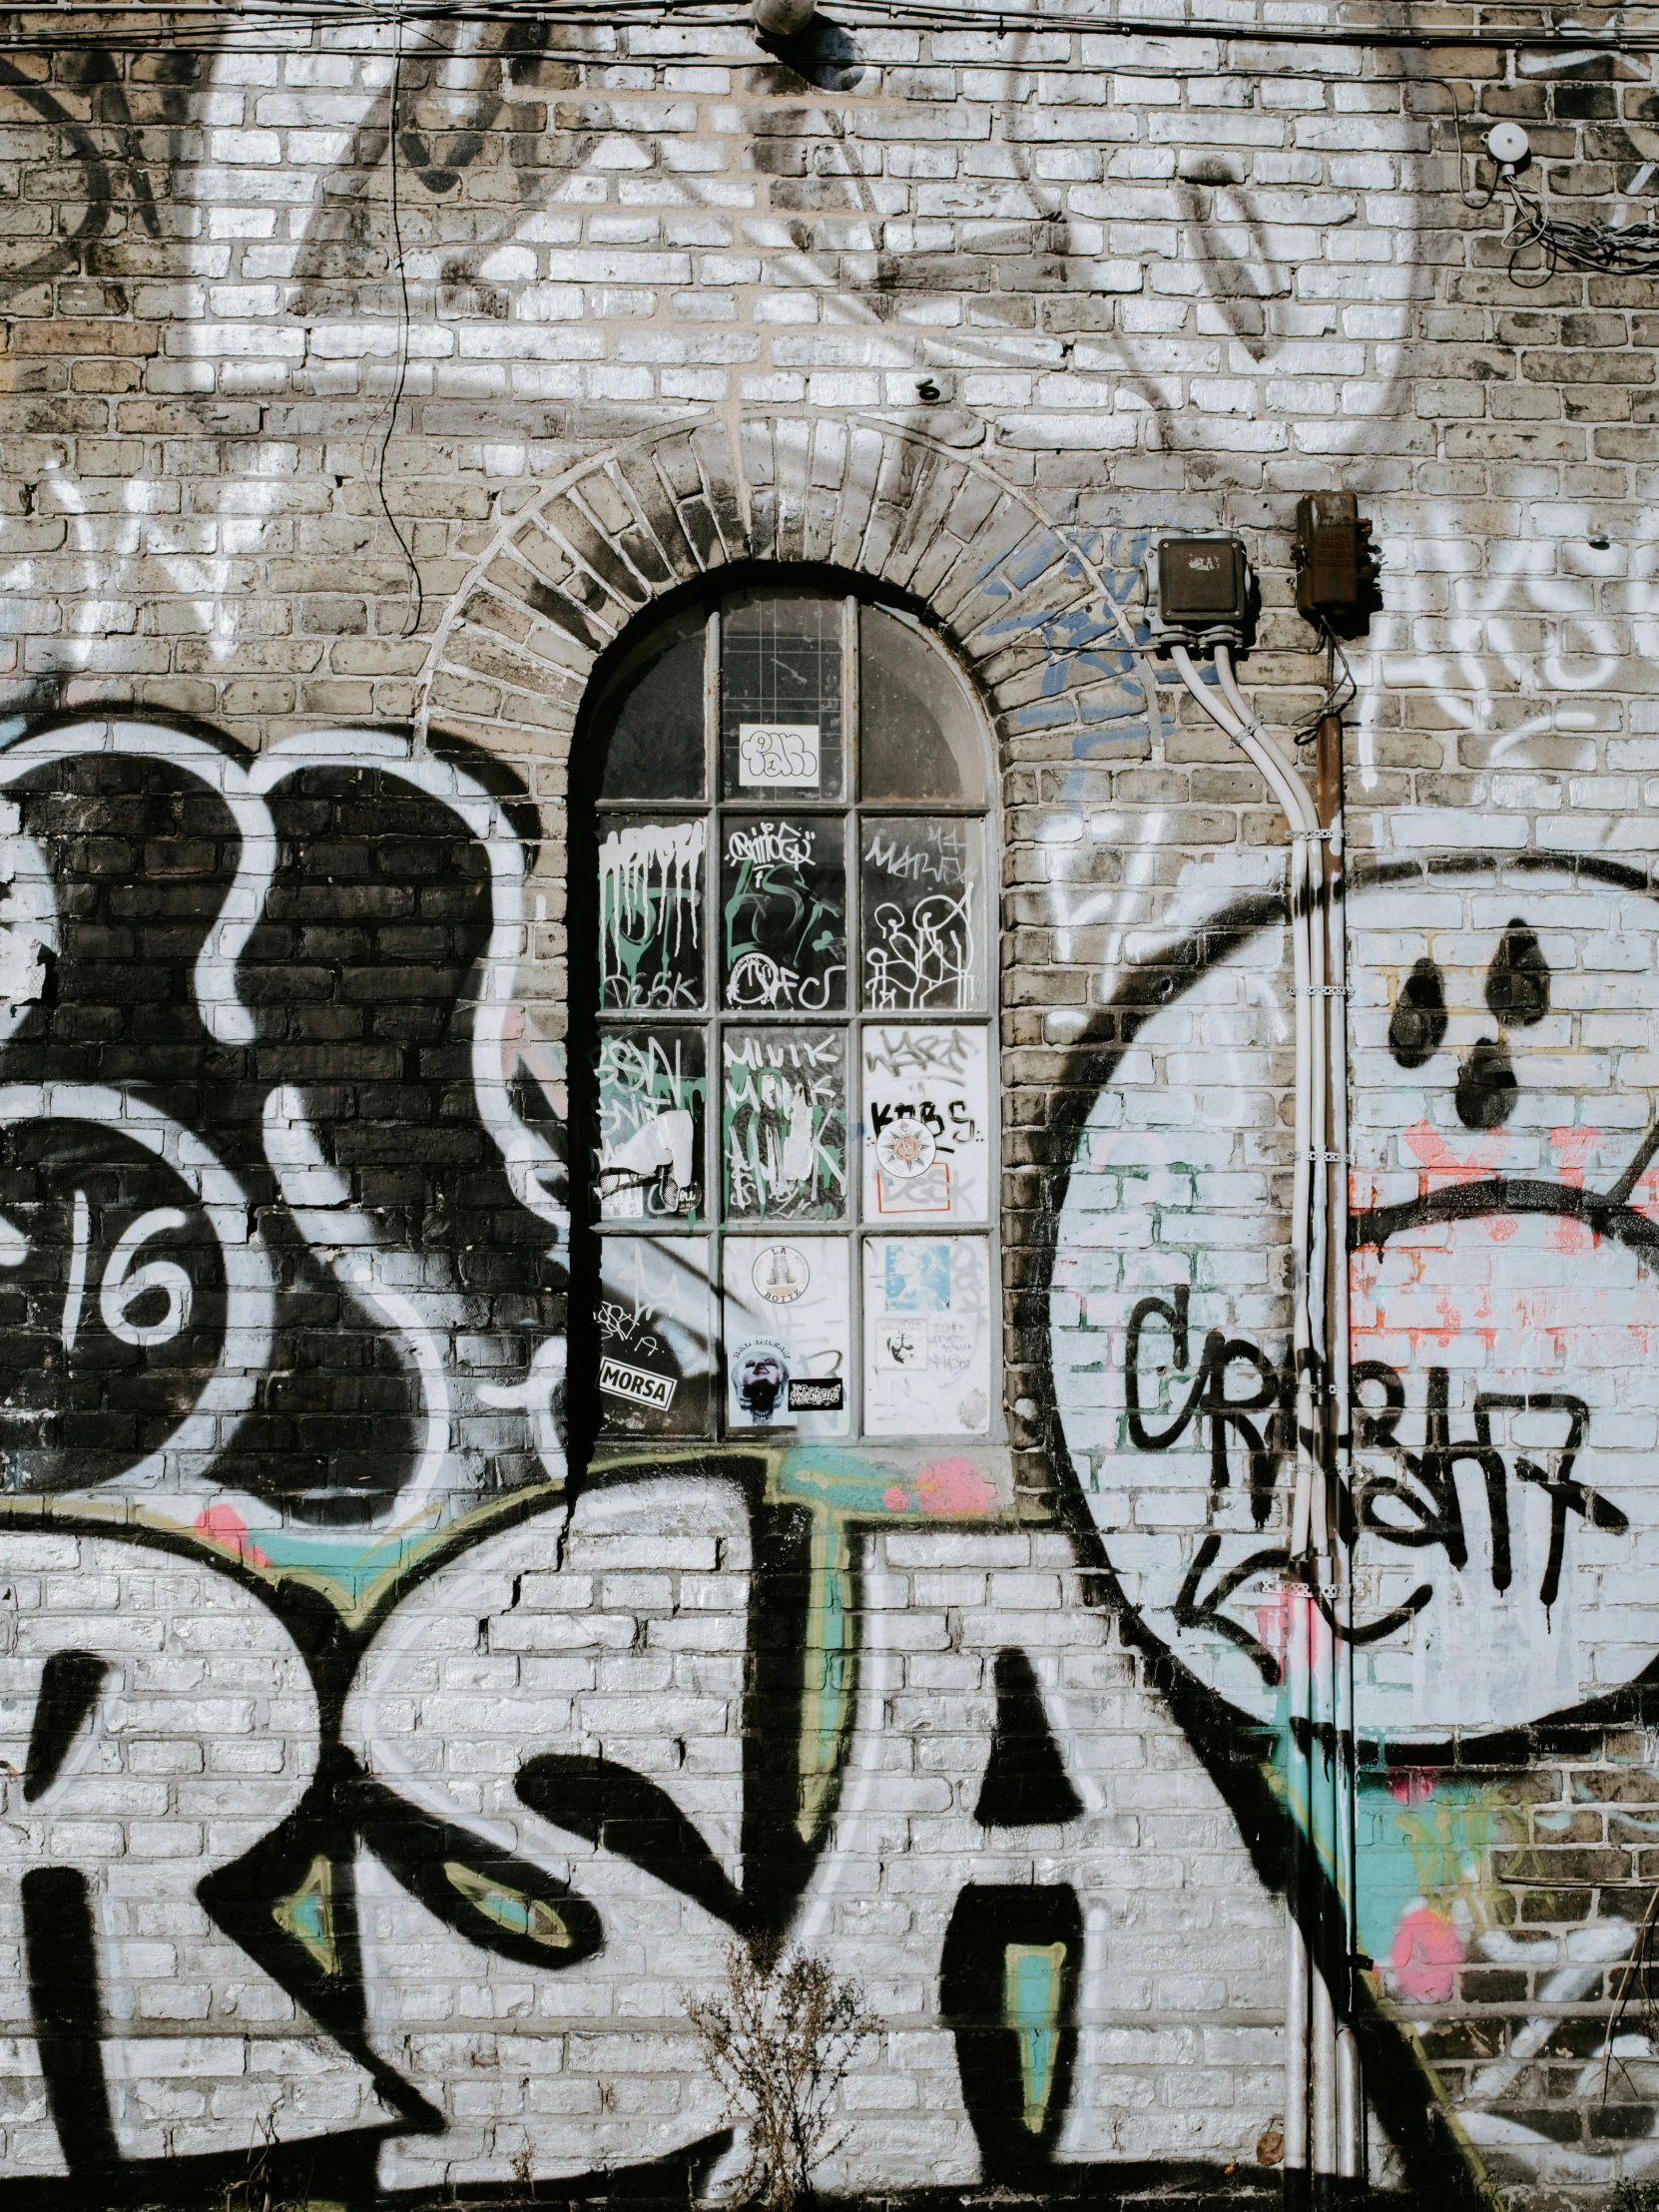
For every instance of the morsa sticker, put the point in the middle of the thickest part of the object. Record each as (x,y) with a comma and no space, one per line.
(645,1389)
(825,1395)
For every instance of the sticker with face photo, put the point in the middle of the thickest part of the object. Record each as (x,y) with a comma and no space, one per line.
(787,1335)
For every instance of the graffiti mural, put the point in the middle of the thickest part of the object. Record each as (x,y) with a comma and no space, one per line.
(1501,1516)
(783,935)
(281,1154)
(392,1844)
(375,1768)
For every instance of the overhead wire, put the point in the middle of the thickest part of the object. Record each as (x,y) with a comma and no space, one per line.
(404,325)
(92,21)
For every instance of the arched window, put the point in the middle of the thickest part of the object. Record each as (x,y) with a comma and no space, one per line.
(786,910)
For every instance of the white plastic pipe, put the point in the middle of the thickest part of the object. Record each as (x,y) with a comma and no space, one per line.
(1308,976)
(1314,2076)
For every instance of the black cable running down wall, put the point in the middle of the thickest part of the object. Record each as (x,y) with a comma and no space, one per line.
(106,22)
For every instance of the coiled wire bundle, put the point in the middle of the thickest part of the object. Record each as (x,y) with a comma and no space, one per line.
(1629,249)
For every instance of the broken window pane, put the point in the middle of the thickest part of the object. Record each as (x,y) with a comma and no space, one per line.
(919,735)
(783,1124)
(781,696)
(787,1336)
(653,1094)
(921,914)
(656,1353)
(652,941)
(782,913)
(647,729)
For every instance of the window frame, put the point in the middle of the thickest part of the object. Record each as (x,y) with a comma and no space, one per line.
(592,813)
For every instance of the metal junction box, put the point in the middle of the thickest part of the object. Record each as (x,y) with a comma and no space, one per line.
(1197,591)
(1336,562)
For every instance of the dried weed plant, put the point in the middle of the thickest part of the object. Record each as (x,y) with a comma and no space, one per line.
(255,2189)
(779,2043)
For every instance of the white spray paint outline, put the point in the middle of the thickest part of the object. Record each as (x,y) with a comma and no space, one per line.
(292,1148)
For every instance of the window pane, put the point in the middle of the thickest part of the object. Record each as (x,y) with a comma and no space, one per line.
(927,1337)
(651,914)
(648,726)
(783,1124)
(919,735)
(653,1093)
(923,1126)
(782,913)
(787,1336)
(921,914)
(656,1358)
(781,696)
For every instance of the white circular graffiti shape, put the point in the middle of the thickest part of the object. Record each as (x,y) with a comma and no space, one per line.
(1505,1277)
(133,1333)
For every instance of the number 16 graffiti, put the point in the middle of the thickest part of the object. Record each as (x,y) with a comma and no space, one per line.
(90,1174)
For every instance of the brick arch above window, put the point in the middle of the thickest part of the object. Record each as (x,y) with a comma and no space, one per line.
(1017,592)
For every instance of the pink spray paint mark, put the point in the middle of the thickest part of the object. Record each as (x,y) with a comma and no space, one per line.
(1412,1785)
(896,1499)
(1437,1157)
(1572,1149)
(1479,1161)
(954,1486)
(1426,1954)
(224,1525)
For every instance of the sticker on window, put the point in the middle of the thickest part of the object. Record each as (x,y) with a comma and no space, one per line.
(927,1337)
(780,1274)
(770,754)
(924,1120)
(917,1278)
(760,1381)
(807,1395)
(619,1380)
(788,1335)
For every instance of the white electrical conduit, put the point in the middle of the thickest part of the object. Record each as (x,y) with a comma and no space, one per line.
(1310,2034)
(1308,979)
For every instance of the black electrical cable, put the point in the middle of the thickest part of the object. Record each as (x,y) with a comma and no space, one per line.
(1339,691)
(211,19)
(1450,90)
(1609,248)
(417,597)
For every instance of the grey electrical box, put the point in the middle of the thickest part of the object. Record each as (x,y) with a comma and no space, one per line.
(1197,591)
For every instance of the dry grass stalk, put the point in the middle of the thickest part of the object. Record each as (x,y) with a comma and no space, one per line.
(779,2043)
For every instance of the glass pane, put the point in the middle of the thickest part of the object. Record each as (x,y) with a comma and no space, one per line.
(783,1124)
(653,1093)
(656,1357)
(782,914)
(651,912)
(649,725)
(924,1135)
(921,914)
(918,735)
(927,1337)
(787,1336)
(781,696)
